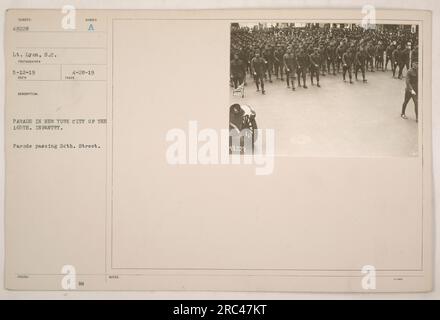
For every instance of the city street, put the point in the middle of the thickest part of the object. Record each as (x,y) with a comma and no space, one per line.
(338,119)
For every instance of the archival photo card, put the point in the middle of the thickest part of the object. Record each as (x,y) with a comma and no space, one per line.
(218,150)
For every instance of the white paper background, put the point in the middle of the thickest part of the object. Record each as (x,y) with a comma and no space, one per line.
(432,5)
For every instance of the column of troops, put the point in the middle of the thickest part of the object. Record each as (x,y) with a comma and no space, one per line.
(293,54)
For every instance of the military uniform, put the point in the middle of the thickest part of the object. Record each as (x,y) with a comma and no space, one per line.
(403,60)
(258,67)
(331,58)
(379,56)
(238,71)
(277,62)
(414,55)
(370,57)
(411,91)
(339,53)
(303,66)
(268,56)
(347,64)
(315,66)
(360,60)
(280,62)
(322,59)
(396,58)
(290,65)
(389,56)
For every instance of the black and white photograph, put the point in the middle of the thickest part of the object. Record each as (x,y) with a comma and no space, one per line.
(235,152)
(328,89)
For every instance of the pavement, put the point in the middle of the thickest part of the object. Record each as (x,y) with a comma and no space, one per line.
(339,119)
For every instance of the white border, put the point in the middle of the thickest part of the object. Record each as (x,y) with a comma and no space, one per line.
(432,5)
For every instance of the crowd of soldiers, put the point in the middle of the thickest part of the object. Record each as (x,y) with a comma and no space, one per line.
(291,54)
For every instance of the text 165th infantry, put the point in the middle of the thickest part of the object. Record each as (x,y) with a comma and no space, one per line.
(221,309)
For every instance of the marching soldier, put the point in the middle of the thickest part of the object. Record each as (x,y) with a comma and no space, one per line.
(258,68)
(360,60)
(277,63)
(370,58)
(238,70)
(403,60)
(290,65)
(389,56)
(323,58)
(379,56)
(303,65)
(315,59)
(396,58)
(331,57)
(251,54)
(268,56)
(339,52)
(411,90)
(244,56)
(280,56)
(415,54)
(347,62)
